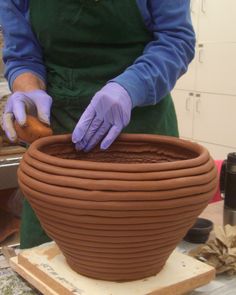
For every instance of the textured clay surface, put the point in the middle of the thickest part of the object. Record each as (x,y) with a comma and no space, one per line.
(33,130)
(118,214)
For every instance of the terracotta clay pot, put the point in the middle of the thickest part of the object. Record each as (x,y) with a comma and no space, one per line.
(118,214)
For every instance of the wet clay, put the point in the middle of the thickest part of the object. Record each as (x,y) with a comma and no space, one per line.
(32,130)
(118,214)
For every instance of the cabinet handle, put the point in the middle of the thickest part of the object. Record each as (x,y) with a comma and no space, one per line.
(203,6)
(198,102)
(201,56)
(187,104)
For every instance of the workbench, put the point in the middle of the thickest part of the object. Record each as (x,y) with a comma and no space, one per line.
(10,154)
(222,285)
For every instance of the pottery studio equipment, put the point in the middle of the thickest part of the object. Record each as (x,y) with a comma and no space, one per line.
(10,155)
(116,216)
(228,188)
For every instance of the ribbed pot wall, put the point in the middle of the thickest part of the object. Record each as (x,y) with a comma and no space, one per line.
(117,215)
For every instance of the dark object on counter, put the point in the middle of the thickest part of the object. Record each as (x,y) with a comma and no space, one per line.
(199,232)
(228,188)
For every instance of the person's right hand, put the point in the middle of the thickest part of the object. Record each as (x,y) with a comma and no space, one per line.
(37,103)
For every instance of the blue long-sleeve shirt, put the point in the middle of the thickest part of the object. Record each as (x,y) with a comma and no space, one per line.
(152,75)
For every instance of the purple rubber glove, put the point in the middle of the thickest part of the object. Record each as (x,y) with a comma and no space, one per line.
(107,114)
(36,103)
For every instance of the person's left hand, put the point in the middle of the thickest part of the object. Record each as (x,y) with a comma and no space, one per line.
(107,114)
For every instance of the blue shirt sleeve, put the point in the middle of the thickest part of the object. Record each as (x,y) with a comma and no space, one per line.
(154,74)
(148,80)
(21,52)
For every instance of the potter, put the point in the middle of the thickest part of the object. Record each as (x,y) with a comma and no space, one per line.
(93,68)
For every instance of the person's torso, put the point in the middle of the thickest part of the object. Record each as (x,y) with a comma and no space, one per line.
(86,43)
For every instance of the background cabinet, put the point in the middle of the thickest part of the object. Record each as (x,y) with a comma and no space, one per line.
(184,101)
(216,67)
(216,20)
(205,97)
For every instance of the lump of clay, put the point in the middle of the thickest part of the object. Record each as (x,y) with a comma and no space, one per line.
(33,130)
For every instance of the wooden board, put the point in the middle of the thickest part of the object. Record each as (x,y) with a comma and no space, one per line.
(11,150)
(46,269)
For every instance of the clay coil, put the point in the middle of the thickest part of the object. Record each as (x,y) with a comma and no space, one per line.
(118,214)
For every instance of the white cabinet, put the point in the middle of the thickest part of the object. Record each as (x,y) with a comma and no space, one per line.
(188,80)
(194,7)
(216,68)
(214,119)
(214,65)
(207,118)
(205,97)
(184,101)
(216,21)
(212,70)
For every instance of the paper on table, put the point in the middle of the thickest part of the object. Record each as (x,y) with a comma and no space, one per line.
(219,252)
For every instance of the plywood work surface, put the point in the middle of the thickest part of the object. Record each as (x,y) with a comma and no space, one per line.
(46,269)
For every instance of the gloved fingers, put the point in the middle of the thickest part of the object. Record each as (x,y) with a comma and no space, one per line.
(79,146)
(43,106)
(92,130)
(8,126)
(19,111)
(110,137)
(83,125)
(98,136)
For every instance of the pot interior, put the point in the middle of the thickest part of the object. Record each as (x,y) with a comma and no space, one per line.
(125,152)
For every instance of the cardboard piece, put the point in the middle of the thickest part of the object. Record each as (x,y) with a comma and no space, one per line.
(219,252)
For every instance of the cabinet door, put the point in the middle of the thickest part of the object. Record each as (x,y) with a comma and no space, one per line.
(194,7)
(214,119)
(187,81)
(183,101)
(216,68)
(217,21)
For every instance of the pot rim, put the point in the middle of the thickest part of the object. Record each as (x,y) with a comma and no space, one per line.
(203,155)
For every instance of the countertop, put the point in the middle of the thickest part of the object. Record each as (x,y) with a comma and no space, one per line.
(222,285)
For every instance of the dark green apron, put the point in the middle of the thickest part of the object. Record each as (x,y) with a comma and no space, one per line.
(85,44)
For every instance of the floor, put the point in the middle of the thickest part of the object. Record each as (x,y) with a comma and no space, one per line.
(10,282)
